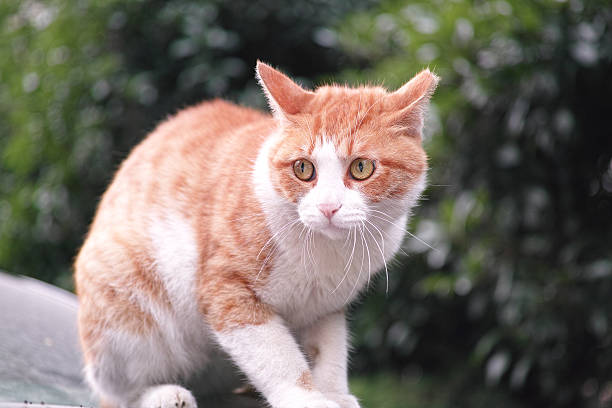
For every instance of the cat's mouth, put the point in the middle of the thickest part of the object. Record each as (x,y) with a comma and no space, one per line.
(337,227)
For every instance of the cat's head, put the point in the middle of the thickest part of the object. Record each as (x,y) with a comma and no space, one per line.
(344,153)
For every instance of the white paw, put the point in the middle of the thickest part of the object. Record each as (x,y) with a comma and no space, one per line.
(344,400)
(167,396)
(299,398)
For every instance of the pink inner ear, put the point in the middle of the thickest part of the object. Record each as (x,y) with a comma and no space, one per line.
(418,89)
(408,104)
(284,95)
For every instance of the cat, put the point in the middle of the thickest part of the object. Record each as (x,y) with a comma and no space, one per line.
(228,227)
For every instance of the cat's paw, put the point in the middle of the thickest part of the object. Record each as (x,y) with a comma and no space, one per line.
(299,398)
(167,396)
(344,400)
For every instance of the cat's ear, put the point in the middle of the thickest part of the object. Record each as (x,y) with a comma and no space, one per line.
(408,105)
(284,96)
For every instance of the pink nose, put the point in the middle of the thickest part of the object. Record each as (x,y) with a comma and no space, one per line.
(329,210)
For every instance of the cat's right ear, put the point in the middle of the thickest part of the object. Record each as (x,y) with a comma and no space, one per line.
(409,103)
(284,96)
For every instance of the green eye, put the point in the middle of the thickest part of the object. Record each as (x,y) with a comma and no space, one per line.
(303,169)
(361,169)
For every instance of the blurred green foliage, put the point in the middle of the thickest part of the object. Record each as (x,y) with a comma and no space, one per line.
(511,304)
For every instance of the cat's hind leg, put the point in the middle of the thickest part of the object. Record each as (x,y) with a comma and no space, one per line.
(123,381)
(166,396)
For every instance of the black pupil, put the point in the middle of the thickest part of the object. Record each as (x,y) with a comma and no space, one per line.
(360,166)
(302,167)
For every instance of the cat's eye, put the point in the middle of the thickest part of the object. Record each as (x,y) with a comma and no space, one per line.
(304,170)
(361,169)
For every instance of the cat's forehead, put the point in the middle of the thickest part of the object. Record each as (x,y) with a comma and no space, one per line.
(338,102)
(337,115)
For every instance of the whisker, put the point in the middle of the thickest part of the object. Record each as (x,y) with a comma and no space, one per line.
(382,239)
(281,234)
(347,239)
(275,235)
(380,212)
(382,255)
(360,268)
(368,251)
(309,243)
(303,247)
(422,242)
(362,253)
(386,233)
(310,248)
(404,230)
(349,262)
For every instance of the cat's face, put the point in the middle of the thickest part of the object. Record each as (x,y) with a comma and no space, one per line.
(344,153)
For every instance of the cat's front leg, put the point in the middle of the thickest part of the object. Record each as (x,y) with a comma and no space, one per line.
(265,350)
(326,344)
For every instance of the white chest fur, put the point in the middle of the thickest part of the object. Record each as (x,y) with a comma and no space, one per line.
(315,276)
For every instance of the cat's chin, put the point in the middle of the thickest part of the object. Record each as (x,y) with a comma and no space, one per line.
(333,232)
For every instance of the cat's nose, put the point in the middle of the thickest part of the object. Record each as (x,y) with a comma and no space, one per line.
(329,210)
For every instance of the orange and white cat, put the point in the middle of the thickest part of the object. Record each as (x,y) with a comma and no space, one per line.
(227,227)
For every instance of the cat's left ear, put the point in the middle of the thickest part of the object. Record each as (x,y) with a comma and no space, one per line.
(284,96)
(407,106)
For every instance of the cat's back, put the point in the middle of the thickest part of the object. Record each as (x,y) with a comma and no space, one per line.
(185,160)
(203,126)
(197,134)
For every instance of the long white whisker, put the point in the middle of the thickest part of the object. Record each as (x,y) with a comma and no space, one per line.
(274,244)
(309,244)
(349,262)
(348,236)
(284,231)
(404,230)
(362,251)
(275,235)
(387,234)
(422,242)
(310,247)
(365,240)
(360,268)
(382,255)
(303,246)
(382,239)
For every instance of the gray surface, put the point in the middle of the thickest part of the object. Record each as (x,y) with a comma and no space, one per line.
(39,354)
(40,358)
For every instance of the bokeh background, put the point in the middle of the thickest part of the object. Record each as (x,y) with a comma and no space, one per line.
(509,304)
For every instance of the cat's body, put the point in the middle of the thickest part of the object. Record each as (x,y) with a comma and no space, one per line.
(208,237)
